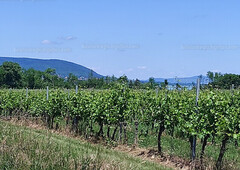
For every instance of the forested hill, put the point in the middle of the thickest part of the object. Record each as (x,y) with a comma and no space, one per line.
(63,68)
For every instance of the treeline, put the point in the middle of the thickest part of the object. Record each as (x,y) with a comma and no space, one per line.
(223,81)
(13,76)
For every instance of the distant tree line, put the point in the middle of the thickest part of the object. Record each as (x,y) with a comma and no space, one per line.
(223,81)
(13,76)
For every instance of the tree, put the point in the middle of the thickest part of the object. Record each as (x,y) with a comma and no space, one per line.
(107,79)
(50,71)
(152,83)
(49,76)
(164,84)
(178,86)
(213,76)
(72,80)
(32,79)
(123,79)
(137,83)
(130,84)
(11,74)
(113,78)
(225,81)
(210,75)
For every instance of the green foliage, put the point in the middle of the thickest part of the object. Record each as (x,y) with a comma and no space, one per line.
(223,81)
(217,112)
(10,74)
(216,115)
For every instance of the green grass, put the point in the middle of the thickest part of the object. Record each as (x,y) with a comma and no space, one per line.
(177,147)
(174,146)
(97,156)
(26,148)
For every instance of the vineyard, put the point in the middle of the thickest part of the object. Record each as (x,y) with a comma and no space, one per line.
(126,115)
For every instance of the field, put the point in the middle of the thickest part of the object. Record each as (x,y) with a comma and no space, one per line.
(167,123)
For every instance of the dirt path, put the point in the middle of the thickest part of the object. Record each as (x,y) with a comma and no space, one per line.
(152,155)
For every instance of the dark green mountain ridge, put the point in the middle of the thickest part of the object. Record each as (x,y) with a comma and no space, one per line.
(63,68)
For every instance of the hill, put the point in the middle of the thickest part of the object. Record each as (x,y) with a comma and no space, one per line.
(63,68)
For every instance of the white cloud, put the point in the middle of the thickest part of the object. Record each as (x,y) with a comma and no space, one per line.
(50,42)
(71,38)
(141,67)
(46,42)
(68,38)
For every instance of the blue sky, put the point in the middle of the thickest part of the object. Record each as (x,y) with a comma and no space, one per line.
(138,38)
